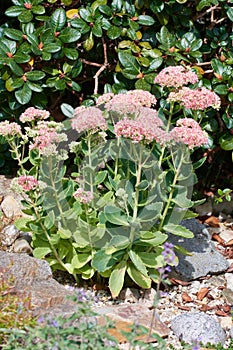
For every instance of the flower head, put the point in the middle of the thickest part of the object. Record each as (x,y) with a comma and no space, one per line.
(196,99)
(147,126)
(90,118)
(176,76)
(8,129)
(189,132)
(130,102)
(31,114)
(44,135)
(27,182)
(105,98)
(83,196)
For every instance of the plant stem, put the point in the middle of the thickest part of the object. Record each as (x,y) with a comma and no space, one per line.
(167,130)
(177,171)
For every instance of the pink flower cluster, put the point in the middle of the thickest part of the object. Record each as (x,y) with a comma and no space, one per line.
(9,129)
(90,118)
(189,132)
(129,102)
(176,76)
(83,196)
(196,99)
(45,136)
(31,114)
(104,98)
(27,182)
(146,127)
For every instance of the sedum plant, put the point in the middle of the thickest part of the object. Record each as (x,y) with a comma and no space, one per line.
(128,189)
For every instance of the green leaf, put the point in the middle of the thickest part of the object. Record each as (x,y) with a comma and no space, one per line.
(23,96)
(52,47)
(86,14)
(100,177)
(21,57)
(137,261)
(115,216)
(150,212)
(128,61)
(25,16)
(14,34)
(146,20)
(153,260)
(34,87)
(178,230)
(67,110)
(21,223)
(58,19)
(35,75)
(15,68)
(221,89)
(113,32)
(80,259)
(230,13)
(41,252)
(38,9)
(69,35)
(153,238)
(75,86)
(89,43)
(117,277)
(141,84)
(226,142)
(140,279)
(102,261)
(72,54)
(13,11)
(97,30)
(49,220)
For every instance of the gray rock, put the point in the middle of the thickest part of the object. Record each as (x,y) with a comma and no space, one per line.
(21,245)
(229,279)
(11,207)
(231,332)
(204,258)
(8,235)
(33,278)
(198,326)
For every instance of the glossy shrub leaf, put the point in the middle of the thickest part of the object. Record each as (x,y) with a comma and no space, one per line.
(146,20)
(23,95)
(14,34)
(72,54)
(38,9)
(25,16)
(226,142)
(15,68)
(58,19)
(117,278)
(69,35)
(13,11)
(113,32)
(89,43)
(67,110)
(34,87)
(35,75)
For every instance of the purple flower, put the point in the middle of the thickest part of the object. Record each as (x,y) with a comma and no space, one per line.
(54,323)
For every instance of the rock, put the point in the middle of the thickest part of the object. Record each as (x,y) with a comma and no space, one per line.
(229,279)
(130,295)
(126,315)
(231,332)
(205,259)
(228,296)
(11,207)
(8,235)
(21,245)
(198,326)
(226,322)
(33,278)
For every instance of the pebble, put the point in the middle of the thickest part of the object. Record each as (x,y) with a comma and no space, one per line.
(8,235)
(229,279)
(11,207)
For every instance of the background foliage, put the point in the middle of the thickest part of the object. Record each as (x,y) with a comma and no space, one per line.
(58,53)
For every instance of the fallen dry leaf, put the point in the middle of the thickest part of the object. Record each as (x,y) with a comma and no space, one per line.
(182,307)
(229,243)
(205,308)
(217,238)
(186,298)
(177,282)
(202,293)
(221,313)
(212,221)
